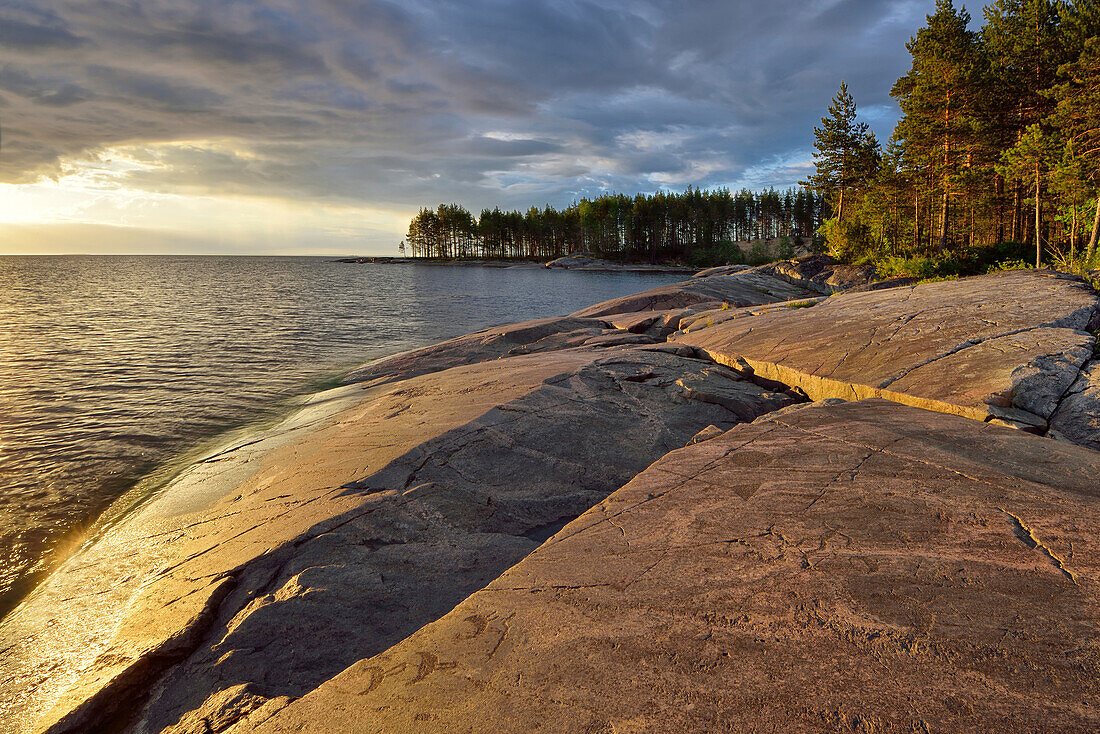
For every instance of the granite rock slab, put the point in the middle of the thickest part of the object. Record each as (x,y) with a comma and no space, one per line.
(865,566)
(496,342)
(270,568)
(1002,347)
(746,288)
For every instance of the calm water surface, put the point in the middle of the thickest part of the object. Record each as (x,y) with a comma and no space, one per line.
(112,368)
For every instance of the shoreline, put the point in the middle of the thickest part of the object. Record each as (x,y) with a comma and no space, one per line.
(440,477)
(138,434)
(599,266)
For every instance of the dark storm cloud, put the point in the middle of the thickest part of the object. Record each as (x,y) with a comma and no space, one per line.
(484,102)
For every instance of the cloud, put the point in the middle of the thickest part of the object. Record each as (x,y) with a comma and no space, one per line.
(27,27)
(483,102)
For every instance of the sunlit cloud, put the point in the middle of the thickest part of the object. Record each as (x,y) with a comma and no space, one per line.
(333,120)
(104,193)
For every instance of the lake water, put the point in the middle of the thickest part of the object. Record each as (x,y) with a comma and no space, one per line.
(113,369)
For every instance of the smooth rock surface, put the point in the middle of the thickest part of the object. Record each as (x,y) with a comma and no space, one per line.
(747,288)
(344,538)
(693,320)
(589,261)
(722,270)
(481,346)
(1004,346)
(865,567)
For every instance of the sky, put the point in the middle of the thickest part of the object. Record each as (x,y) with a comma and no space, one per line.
(322,126)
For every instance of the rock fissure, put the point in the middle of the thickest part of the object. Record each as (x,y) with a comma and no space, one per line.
(1026,535)
(884,451)
(851,475)
(684,482)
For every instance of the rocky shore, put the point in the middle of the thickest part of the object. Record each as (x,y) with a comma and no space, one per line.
(783,498)
(579,261)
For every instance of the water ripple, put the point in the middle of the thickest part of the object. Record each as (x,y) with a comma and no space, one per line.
(112,366)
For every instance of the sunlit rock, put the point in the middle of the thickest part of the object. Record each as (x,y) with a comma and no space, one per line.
(860,566)
(998,347)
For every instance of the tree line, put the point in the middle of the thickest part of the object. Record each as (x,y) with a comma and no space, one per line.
(696,226)
(998,142)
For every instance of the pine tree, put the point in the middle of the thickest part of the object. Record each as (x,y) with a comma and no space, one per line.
(1032,158)
(939,98)
(1077,115)
(846,150)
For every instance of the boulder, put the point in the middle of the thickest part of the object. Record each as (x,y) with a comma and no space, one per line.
(722,270)
(846,277)
(659,324)
(825,274)
(578,261)
(812,268)
(865,567)
(822,273)
(997,347)
(748,288)
(273,565)
(1077,417)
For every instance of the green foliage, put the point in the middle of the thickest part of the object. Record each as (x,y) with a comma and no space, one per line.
(846,153)
(954,264)
(698,227)
(1004,265)
(759,253)
(943,265)
(723,253)
(848,241)
(816,245)
(998,142)
(784,250)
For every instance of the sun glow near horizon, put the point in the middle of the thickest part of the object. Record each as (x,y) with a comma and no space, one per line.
(134,199)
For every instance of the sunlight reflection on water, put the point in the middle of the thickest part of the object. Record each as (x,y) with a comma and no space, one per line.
(112,366)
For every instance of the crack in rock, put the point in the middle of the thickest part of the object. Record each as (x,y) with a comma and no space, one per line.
(1027,536)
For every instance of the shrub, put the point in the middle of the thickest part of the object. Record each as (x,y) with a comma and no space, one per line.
(1008,265)
(845,240)
(722,253)
(758,253)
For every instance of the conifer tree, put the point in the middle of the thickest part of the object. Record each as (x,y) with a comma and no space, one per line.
(939,98)
(846,150)
(1031,158)
(1078,116)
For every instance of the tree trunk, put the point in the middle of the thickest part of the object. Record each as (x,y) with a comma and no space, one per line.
(999,192)
(916,218)
(943,224)
(1016,210)
(931,218)
(1038,231)
(1073,232)
(970,237)
(1095,232)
